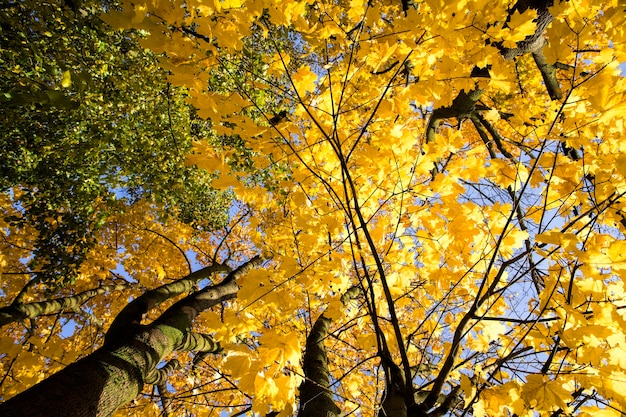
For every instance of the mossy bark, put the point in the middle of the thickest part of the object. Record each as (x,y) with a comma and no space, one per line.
(96,385)
(20,311)
(115,374)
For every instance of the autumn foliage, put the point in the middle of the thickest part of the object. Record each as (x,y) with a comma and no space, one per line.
(430,214)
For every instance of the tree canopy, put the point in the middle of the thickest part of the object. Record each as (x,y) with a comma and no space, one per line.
(428,218)
(88,121)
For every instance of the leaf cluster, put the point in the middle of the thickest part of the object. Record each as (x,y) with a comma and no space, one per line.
(89,125)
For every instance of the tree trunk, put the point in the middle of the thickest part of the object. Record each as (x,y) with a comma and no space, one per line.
(115,374)
(315,395)
(94,386)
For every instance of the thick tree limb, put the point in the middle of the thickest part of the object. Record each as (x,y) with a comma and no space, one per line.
(160,375)
(316,398)
(19,311)
(548,72)
(534,45)
(130,317)
(182,313)
(198,342)
(315,395)
(94,386)
(462,107)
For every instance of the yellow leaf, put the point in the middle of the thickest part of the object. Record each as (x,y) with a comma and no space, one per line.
(304,79)
(590,411)
(555,237)
(621,164)
(237,364)
(502,76)
(160,272)
(367,341)
(524,23)
(225,181)
(617,254)
(66,80)
(499,399)
(265,389)
(280,348)
(468,389)
(541,393)
(519,27)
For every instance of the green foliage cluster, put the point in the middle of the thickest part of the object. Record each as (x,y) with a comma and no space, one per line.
(88,126)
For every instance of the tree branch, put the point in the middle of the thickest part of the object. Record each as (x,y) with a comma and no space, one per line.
(19,311)
(160,375)
(181,315)
(159,379)
(462,106)
(198,342)
(130,317)
(536,41)
(548,72)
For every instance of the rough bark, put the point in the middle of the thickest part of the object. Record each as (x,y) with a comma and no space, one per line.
(548,73)
(315,395)
(130,317)
(100,383)
(94,386)
(21,311)
(316,398)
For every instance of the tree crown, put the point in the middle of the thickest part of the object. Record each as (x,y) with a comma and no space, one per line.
(437,188)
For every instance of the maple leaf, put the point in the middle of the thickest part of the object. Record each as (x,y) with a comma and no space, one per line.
(304,79)
(541,393)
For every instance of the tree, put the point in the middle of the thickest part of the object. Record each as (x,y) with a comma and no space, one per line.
(89,125)
(434,226)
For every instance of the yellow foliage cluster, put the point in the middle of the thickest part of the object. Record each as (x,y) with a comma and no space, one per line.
(488,240)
